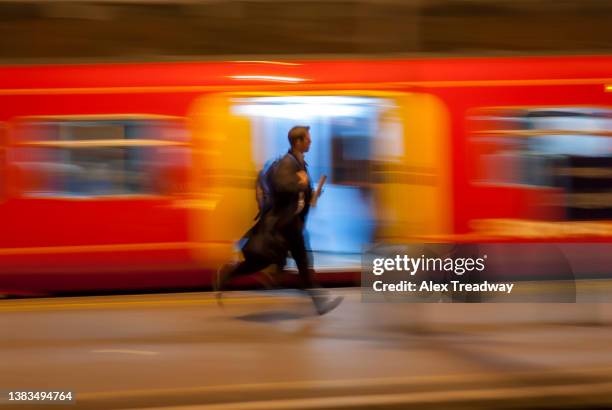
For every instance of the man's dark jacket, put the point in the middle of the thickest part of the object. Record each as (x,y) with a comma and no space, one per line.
(268,238)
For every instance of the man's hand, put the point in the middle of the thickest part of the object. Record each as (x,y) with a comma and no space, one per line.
(302,178)
(319,191)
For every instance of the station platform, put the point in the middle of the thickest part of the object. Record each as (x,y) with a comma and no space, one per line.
(269,350)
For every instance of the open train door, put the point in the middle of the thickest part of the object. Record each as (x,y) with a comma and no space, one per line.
(413,181)
(385,153)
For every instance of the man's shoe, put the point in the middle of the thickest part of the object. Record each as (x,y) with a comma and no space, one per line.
(326,305)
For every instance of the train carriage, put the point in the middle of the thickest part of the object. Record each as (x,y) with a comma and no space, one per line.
(140,176)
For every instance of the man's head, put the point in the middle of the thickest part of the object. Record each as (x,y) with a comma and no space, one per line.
(299,138)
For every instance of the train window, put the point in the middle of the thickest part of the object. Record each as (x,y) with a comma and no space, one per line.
(568,148)
(351,151)
(101,157)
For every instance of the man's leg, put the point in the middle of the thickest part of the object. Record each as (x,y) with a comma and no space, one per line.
(308,283)
(300,256)
(250,264)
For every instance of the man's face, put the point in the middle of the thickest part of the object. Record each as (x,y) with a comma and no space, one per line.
(306,143)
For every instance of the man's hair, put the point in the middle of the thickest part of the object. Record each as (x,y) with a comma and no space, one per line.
(297,133)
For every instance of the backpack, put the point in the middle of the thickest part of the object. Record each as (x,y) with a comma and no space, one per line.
(264,185)
(264,191)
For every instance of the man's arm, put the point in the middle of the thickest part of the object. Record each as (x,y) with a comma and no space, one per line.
(287,177)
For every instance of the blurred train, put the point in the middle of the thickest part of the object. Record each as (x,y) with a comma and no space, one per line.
(141,176)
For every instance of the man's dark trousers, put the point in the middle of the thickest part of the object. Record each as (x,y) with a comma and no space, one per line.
(294,236)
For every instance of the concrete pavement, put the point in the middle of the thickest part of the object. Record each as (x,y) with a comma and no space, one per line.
(269,350)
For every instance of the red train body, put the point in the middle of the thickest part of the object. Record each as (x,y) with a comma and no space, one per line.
(153,231)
